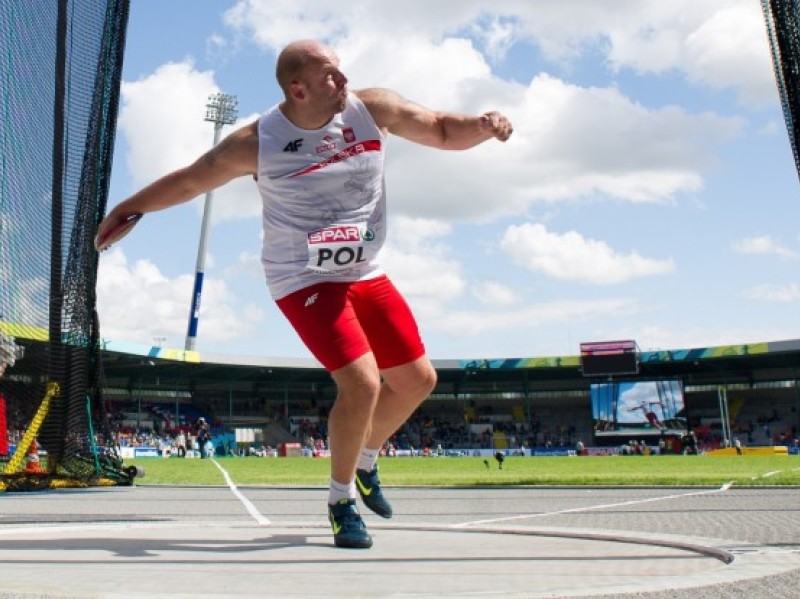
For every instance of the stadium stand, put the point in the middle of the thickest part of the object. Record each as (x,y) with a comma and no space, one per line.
(516,405)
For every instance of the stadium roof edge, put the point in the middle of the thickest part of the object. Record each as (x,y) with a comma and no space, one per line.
(35,333)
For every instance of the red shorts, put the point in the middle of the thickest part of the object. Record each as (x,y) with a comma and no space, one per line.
(340,322)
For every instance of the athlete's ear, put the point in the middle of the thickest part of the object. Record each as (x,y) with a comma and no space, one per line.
(297,90)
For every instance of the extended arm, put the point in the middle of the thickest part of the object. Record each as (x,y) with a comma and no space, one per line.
(234,156)
(443,130)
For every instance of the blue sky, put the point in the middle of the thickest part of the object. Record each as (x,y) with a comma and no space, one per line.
(648,193)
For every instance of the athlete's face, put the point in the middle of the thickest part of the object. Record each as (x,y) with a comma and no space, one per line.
(326,85)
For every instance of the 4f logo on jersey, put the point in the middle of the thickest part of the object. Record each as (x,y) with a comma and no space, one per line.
(293,146)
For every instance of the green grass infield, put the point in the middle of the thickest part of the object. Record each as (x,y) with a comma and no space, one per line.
(748,471)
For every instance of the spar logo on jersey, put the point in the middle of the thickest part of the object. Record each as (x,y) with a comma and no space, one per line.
(338,234)
(328,144)
(294,145)
(348,134)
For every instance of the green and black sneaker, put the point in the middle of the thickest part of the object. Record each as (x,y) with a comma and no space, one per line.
(369,487)
(348,527)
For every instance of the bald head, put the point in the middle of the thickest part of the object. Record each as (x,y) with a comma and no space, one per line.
(294,58)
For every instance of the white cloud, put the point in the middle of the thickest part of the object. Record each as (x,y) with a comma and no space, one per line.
(596,140)
(720,43)
(275,23)
(571,257)
(138,302)
(216,45)
(422,265)
(569,143)
(172,99)
(248,265)
(531,317)
(493,293)
(762,245)
(419,264)
(498,36)
(729,49)
(437,73)
(714,43)
(421,235)
(774,293)
(162,121)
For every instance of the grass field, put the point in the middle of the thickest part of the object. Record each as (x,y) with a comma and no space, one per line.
(471,471)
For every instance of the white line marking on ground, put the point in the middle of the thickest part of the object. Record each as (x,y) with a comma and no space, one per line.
(768,474)
(251,509)
(723,488)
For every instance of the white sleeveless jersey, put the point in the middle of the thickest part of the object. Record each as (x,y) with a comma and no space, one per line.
(323,194)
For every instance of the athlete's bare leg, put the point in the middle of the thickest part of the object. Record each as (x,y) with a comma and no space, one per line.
(367,413)
(653,420)
(350,419)
(404,389)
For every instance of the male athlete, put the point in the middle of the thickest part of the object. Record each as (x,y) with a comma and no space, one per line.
(318,161)
(647,409)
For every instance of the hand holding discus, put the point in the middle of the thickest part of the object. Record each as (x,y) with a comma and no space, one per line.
(110,232)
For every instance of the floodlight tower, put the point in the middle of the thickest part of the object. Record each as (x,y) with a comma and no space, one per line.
(221,110)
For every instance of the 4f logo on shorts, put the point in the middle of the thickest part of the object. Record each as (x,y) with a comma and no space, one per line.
(293,146)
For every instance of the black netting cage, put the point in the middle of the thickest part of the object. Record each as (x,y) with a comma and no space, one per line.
(783,29)
(60,69)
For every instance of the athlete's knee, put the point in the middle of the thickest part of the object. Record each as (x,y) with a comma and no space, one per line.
(359,383)
(415,380)
(428,379)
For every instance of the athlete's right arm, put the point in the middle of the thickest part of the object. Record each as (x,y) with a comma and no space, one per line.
(235,156)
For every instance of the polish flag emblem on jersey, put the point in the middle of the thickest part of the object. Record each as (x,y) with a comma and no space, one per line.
(349,135)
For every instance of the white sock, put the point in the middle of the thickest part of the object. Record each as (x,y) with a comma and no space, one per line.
(338,491)
(368,459)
